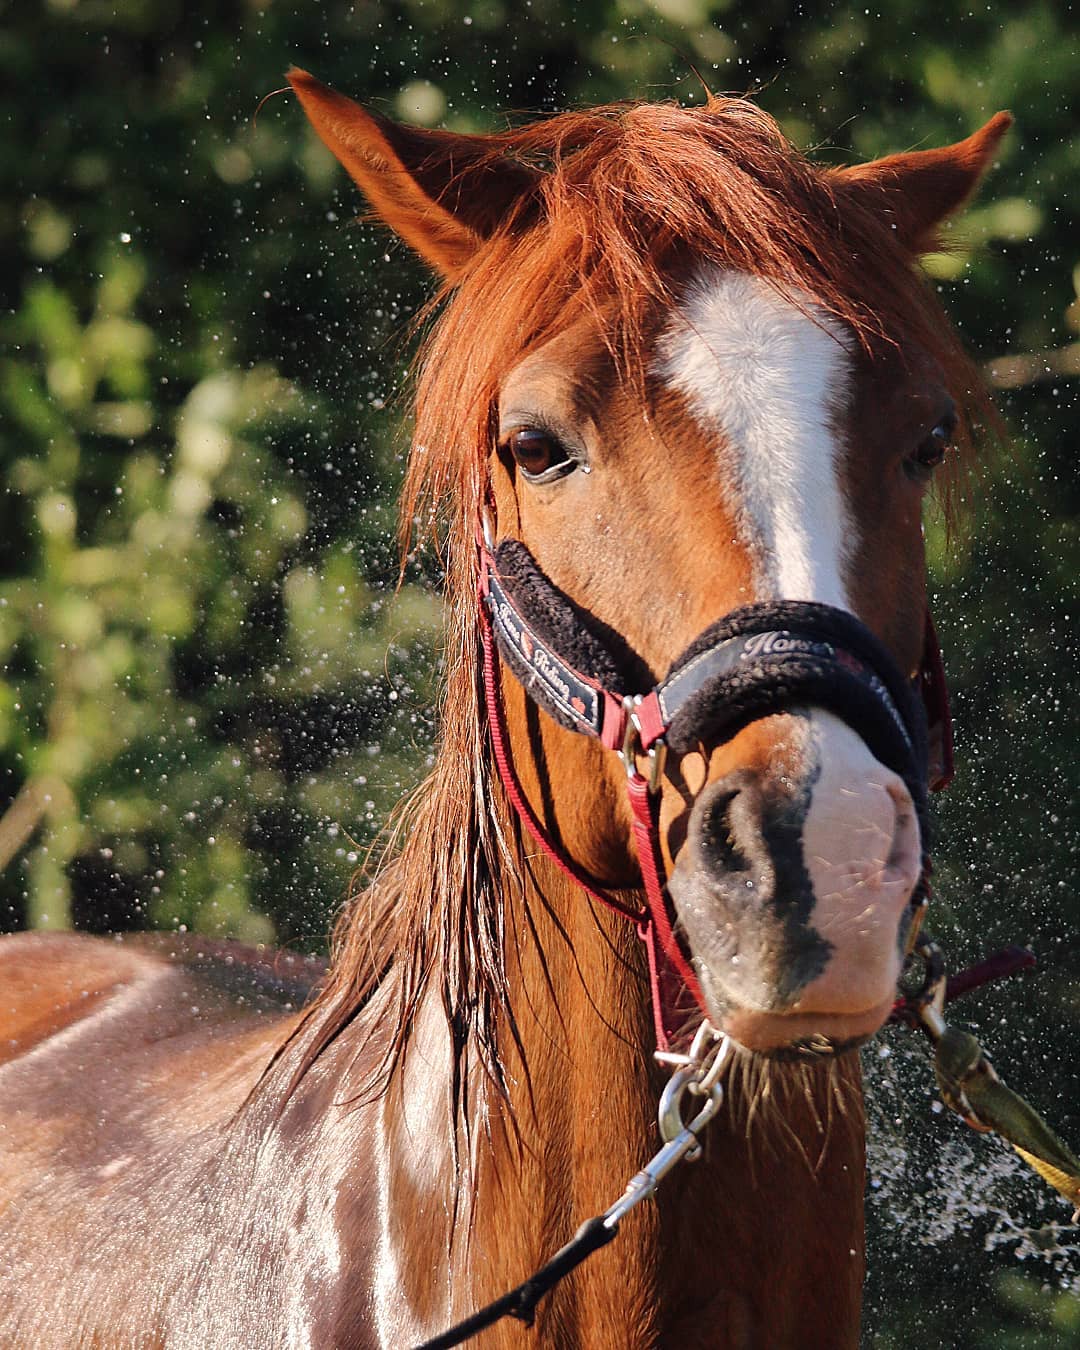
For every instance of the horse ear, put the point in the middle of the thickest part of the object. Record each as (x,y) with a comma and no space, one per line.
(917,191)
(440,191)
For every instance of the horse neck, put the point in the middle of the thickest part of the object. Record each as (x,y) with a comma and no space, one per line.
(492,1204)
(577,1120)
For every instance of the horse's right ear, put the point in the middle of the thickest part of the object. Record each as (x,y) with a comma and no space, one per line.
(440,191)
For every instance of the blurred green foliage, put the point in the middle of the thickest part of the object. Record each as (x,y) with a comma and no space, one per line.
(210,694)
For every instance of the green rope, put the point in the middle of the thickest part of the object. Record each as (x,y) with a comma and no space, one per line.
(970,1086)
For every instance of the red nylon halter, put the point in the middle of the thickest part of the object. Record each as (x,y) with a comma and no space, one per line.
(670,974)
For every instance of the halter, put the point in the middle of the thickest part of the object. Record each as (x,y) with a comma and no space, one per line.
(754,662)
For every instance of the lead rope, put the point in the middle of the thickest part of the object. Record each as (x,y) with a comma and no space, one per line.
(967,1081)
(698,1073)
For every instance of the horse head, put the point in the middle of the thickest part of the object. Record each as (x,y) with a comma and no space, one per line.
(687,371)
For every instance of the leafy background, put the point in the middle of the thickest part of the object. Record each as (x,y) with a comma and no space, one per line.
(210,691)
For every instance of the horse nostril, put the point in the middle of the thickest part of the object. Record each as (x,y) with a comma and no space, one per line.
(719,847)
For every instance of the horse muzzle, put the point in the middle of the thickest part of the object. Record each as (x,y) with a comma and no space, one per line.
(794,891)
(791,899)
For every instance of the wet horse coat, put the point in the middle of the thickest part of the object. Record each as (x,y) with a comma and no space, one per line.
(688,370)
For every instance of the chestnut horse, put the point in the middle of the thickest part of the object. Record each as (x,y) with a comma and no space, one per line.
(687,370)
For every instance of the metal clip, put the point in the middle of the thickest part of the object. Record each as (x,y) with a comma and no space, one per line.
(487,528)
(928,1002)
(699,1073)
(684,1145)
(958,1056)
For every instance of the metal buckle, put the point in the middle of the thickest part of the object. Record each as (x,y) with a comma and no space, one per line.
(632,746)
(487,528)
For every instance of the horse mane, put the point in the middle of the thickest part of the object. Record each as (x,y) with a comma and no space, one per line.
(630,196)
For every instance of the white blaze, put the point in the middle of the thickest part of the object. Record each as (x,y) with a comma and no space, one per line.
(768,377)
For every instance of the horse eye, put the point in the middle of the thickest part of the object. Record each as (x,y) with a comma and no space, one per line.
(539,455)
(930,452)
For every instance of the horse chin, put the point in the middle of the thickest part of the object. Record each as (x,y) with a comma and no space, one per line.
(801,1036)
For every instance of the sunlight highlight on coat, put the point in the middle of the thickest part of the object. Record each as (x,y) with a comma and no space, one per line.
(414,1136)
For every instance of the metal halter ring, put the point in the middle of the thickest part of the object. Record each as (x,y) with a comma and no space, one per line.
(632,746)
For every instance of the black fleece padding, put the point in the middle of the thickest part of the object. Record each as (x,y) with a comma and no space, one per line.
(561,624)
(807,618)
(759,687)
(773,683)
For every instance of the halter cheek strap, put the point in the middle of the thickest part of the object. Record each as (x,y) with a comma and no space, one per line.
(754,662)
(674,986)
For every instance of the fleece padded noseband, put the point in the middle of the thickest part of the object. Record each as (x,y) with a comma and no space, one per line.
(756,661)
(766,658)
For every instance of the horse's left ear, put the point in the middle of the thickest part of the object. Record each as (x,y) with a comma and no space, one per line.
(440,191)
(919,190)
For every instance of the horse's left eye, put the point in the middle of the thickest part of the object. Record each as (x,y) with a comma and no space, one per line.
(930,452)
(539,455)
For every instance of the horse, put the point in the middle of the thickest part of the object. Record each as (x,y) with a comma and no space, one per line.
(681,388)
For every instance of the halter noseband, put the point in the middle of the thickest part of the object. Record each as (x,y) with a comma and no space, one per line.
(754,662)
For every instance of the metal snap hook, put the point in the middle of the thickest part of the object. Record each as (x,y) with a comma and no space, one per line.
(929,1002)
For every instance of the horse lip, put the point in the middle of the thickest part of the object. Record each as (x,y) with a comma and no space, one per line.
(799,1035)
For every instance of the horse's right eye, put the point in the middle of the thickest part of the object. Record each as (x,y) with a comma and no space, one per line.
(539,455)
(931,450)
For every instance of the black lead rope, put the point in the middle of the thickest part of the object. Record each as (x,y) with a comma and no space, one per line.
(521,1302)
(699,1074)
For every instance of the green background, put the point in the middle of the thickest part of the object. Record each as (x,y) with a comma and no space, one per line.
(211,693)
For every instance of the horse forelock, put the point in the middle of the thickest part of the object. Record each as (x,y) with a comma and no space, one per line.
(631,199)
(628,200)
